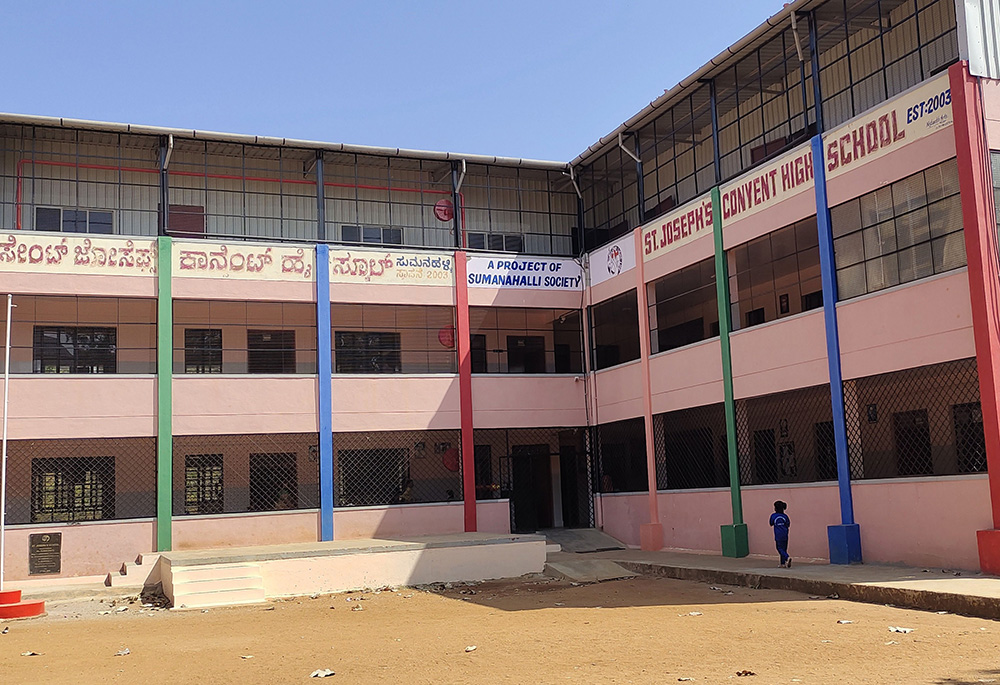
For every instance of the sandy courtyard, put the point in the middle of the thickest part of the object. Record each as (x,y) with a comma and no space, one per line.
(527,631)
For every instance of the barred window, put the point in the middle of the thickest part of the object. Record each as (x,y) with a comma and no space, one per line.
(203,490)
(691,448)
(614,330)
(274,483)
(75,349)
(216,336)
(270,351)
(899,233)
(386,338)
(776,275)
(74,220)
(683,307)
(621,456)
(526,340)
(203,350)
(65,489)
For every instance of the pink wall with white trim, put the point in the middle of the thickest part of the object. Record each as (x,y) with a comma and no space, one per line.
(912,521)
(218,405)
(687,377)
(245,530)
(88,549)
(81,406)
(885,332)
(528,401)
(781,355)
(618,392)
(242,289)
(493,516)
(382,403)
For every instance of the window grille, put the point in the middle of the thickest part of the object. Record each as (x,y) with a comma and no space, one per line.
(523,340)
(917,422)
(387,338)
(216,474)
(397,467)
(86,479)
(202,350)
(620,464)
(691,449)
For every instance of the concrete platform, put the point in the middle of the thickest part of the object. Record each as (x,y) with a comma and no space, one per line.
(581,540)
(585,569)
(928,589)
(240,575)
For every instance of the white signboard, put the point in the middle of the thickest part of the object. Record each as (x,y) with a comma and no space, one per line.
(524,273)
(613,259)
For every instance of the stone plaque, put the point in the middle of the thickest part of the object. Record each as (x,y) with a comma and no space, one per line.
(44,553)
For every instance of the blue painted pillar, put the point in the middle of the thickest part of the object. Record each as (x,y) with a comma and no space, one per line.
(324,374)
(845,539)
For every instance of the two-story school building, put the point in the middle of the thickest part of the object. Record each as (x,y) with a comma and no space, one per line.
(779,280)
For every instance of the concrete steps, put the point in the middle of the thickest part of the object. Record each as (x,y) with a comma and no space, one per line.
(11,606)
(213,585)
(132,574)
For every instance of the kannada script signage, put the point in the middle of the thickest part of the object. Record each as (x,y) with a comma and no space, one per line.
(913,115)
(204,259)
(30,252)
(530,273)
(394,268)
(677,228)
(613,259)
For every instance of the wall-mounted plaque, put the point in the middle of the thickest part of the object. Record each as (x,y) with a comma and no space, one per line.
(44,553)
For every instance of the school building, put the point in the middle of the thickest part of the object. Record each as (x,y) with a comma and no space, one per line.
(778,280)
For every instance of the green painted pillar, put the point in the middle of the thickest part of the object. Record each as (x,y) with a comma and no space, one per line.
(735,542)
(164,395)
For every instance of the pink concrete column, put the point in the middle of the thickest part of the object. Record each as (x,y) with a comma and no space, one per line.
(650,534)
(978,217)
(463,343)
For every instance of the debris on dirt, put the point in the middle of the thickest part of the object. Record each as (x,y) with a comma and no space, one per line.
(4,631)
(744,672)
(123,652)
(357,608)
(826,642)
(814,597)
(246,656)
(121,609)
(321,673)
(560,604)
(470,648)
(407,596)
(691,613)
(152,596)
(681,680)
(467,592)
(940,613)
(314,596)
(892,642)
(717,589)
(844,622)
(103,613)
(899,629)
(30,653)
(833,596)
(268,608)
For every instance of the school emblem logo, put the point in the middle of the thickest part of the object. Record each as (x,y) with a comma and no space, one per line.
(615,260)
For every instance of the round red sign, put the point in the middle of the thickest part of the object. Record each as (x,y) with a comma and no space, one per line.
(444,210)
(446,336)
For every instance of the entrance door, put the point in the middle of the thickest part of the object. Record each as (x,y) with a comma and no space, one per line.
(574,486)
(531,495)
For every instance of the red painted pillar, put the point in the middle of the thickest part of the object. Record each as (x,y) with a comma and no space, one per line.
(650,534)
(979,220)
(464,343)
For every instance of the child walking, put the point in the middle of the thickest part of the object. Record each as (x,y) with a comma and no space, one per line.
(780,522)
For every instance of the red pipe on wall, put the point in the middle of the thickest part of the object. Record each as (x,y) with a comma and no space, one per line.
(228,177)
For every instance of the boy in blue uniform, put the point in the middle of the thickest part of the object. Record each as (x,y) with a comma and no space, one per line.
(780,522)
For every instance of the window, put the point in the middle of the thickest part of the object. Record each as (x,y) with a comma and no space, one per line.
(186,220)
(202,350)
(66,349)
(899,233)
(385,338)
(371,477)
(486,487)
(372,352)
(65,489)
(970,441)
(775,275)
(203,491)
(74,220)
(274,483)
(526,340)
(683,307)
(622,451)
(614,330)
(497,242)
(270,351)
(375,235)
(260,337)
(913,443)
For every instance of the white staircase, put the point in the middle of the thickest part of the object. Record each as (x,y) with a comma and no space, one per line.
(213,585)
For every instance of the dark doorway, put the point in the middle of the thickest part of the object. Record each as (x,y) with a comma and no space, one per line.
(525,354)
(531,495)
(574,484)
(273,482)
(913,443)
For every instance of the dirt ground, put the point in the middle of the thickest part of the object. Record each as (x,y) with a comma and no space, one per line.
(533,630)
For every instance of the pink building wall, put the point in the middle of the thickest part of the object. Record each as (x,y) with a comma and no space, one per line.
(212,404)
(378,403)
(528,401)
